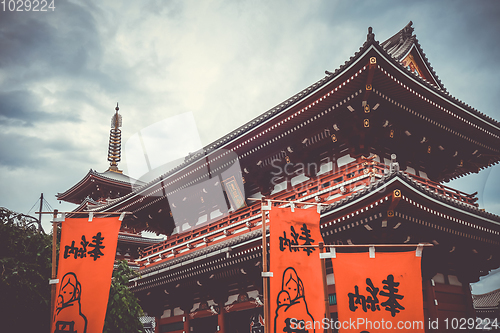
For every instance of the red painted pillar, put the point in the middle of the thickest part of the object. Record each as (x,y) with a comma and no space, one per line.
(186,322)
(432,307)
(221,319)
(157,324)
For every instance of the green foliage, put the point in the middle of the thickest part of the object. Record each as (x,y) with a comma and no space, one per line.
(122,315)
(25,267)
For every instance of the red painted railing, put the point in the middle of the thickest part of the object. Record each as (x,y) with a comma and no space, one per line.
(328,187)
(447,191)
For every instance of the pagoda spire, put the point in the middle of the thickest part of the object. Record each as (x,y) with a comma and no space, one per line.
(115,141)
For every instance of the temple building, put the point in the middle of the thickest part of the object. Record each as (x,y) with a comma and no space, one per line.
(374,141)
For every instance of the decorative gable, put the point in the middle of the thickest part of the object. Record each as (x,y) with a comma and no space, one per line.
(405,48)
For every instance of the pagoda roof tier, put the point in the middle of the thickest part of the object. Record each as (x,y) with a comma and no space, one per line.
(96,186)
(373,103)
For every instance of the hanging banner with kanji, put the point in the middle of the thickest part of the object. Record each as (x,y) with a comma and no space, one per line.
(296,288)
(86,257)
(380,294)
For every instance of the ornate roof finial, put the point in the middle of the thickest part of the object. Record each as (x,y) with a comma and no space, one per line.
(115,141)
(371,36)
(407,31)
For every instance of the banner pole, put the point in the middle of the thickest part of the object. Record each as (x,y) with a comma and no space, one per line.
(325,287)
(265,278)
(54,272)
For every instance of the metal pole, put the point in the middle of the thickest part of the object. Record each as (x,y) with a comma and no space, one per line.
(40,214)
(265,279)
(325,286)
(54,271)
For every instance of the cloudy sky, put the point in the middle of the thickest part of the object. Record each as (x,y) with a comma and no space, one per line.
(63,71)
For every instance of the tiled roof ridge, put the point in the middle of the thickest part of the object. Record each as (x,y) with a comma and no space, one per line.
(100,205)
(428,63)
(90,200)
(441,89)
(84,204)
(400,43)
(488,300)
(407,39)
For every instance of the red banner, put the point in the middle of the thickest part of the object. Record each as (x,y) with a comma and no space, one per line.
(381,294)
(296,288)
(86,258)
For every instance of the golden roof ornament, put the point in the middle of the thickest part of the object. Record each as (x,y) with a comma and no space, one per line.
(115,141)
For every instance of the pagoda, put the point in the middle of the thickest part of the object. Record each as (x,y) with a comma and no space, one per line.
(99,188)
(374,141)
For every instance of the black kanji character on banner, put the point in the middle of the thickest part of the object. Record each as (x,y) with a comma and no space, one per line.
(286,242)
(82,252)
(392,303)
(70,250)
(356,298)
(97,245)
(367,303)
(77,252)
(372,301)
(306,237)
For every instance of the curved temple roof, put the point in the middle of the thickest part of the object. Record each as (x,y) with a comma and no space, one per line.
(263,127)
(108,179)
